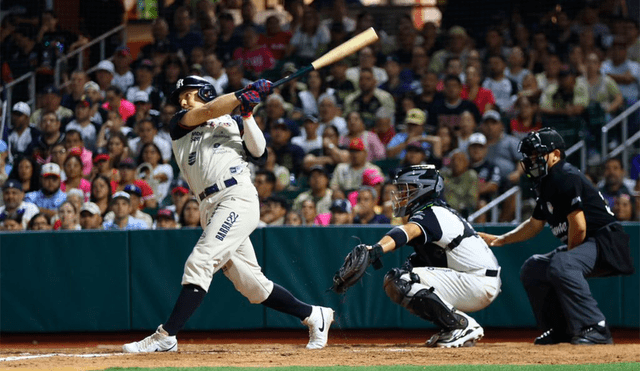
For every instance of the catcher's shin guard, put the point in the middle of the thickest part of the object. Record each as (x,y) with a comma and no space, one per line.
(400,286)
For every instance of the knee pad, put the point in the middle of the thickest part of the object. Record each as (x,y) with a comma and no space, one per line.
(398,288)
(427,305)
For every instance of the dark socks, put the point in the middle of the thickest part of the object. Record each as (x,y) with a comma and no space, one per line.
(189,300)
(283,301)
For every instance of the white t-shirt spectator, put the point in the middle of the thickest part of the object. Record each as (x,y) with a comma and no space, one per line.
(163,145)
(503,90)
(88,133)
(629,91)
(27,209)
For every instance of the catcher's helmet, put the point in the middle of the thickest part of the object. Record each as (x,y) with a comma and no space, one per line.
(206,91)
(417,185)
(533,148)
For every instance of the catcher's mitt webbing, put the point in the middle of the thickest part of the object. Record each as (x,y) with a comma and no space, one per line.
(354,266)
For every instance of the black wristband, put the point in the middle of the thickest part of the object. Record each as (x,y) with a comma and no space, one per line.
(399,236)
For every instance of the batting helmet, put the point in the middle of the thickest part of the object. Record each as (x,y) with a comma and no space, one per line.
(206,91)
(417,185)
(533,148)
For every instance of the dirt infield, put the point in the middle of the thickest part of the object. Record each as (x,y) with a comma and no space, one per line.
(286,348)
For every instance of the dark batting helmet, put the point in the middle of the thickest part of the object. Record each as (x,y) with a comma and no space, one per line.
(206,91)
(534,147)
(417,186)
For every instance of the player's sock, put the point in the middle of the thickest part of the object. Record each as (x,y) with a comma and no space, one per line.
(189,300)
(283,301)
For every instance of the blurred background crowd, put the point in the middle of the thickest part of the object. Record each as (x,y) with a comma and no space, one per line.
(93,150)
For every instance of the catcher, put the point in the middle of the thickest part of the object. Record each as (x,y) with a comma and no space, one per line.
(451,272)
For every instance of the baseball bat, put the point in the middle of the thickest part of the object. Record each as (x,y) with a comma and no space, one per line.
(348,47)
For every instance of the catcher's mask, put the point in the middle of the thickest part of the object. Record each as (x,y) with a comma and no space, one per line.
(206,91)
(417,185)
(534,147)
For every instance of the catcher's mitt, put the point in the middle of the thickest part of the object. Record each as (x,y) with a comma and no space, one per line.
(354,266)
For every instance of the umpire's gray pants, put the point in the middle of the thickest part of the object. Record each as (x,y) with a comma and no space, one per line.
(556,284)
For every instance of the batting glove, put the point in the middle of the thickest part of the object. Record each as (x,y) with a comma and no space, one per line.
(248,100)
(263,87)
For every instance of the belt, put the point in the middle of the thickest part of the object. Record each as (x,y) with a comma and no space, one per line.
(214,188)
(492,272)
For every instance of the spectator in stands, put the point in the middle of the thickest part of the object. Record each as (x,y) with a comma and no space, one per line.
(73,171)
(549,77)
(570,97)
(68,218)
(90,216)
(74,145)
(460,184)
(275,39)
(92,91)
(576,60)
(330,155)
(429,96)
(144,110)
(101,164)
(456,46)
(338,81)
(158,173)
(340,213)
(530,88)
(488,174)
(364,208)
(623,208)
(39,222)
(540,53)
(614,184)
(274,110)
(396,85)
(308,212)
(184,38)
(339,15)
(494,45)
(12,223)
(160,43)
(22,136)
(287,154)
(25,170)
(123,76)
(448,142)
(356,126)
(385,125)
(114,101)
(276,209)
(415,155)
(145,73)
(282,174)
(328,111)
(50,136)
(309,98)
(173,68)
(503,89)
(121,207)
(5,167)
(265,183)
(50,197)
(603,90)
(368,98)
(527,117)
(447,112)
(235,77)
(214,72)
(135,195)
(293,218)
(83,123)
(348,176)
(367,60)
(148,133)
(416,118)
(309,40)
(27,53)
(320,193)
(228,39)
(480,96)
(466,129)
(76,197)
(101,193)
(50,99)
(13,198)
(76,89)
(309,140)
(127,169)
(255,58)
(166,219)
(418,67)
(180,194)
(453,66)
(516,70)
(625,72)
(167,112)
(117,147)
(104,75)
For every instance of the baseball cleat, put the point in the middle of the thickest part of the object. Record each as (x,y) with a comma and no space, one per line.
(464,337)
(552,337)
(318,322)
(593,335)
(159,341)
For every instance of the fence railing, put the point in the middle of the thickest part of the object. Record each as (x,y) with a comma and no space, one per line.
(621,119)
(31,76)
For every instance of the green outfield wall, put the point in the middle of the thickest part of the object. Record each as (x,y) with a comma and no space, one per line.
(117,281)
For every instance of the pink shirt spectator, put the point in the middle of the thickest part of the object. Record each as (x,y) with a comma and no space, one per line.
(87,159)
(322,219)
(484,97)
(375,148)
(126,110)
(255,61)
(85,187)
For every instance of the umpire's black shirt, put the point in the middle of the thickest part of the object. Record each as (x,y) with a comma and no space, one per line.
(564,190)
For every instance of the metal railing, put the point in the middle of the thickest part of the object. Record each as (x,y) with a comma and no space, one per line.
(622,119)
(31,76)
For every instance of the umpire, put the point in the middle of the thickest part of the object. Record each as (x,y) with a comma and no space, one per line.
(595,245)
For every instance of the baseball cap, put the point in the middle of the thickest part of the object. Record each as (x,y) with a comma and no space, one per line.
(50,89)
(180,186)
(121,194)
(132,188)
(141,96)
(477,138)
(128,163)
(166,213)
(49,169)
(457,30)
(289,125)
(91,85)
(289,67)
(356,144)
(12,183)
(372,177)
(105,65)
(311,118)
(84,101)
(415,116)
(320,169)
(341,206)
(22,107)
(123,51)
(146,63)
(491,115)
(91,207)
(101,154)
(75,192)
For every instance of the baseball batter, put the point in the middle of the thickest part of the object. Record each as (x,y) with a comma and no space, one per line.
(212,149)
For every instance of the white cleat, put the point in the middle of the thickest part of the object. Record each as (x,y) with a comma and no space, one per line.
(464,337)
(318,322)
(159,341)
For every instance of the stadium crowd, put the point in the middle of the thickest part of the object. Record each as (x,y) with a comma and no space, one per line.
(95,153)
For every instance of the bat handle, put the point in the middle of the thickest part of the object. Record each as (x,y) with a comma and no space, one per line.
(300,72)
